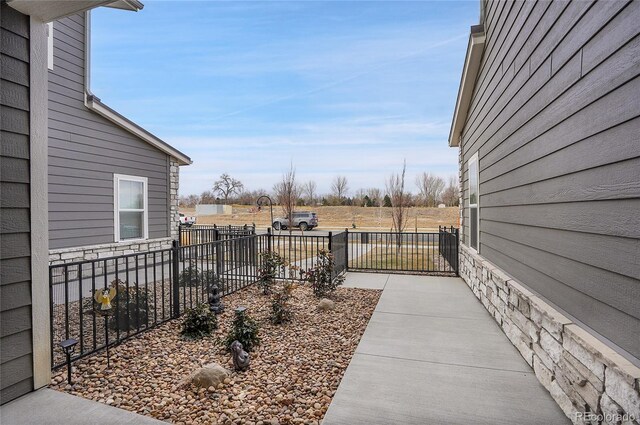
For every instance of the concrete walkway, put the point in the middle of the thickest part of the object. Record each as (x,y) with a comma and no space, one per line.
(50,407)
(431,354)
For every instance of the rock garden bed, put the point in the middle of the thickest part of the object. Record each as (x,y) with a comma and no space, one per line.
(293,374)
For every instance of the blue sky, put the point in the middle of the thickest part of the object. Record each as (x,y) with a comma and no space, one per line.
(247,88)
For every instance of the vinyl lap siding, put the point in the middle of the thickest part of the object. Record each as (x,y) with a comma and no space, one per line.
(85,150)
(16,360)
(555,119)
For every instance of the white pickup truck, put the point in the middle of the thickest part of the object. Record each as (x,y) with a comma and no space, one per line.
(186,220)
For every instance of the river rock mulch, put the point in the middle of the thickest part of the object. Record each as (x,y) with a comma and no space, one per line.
(293,376)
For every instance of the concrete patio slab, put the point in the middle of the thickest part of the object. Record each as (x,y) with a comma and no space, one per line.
(50,407)
(432,354)
(366,280)
(455,341)
(430,295)
(381,390)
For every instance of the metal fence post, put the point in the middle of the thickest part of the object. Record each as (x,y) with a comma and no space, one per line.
(269,239)
(346,249)
(175,278)
(330,242)
(457,253)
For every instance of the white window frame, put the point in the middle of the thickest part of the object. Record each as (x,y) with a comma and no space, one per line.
(474,160)
(117,178)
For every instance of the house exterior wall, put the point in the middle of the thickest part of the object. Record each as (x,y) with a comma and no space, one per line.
(555,120)
(16,346)
(86,150)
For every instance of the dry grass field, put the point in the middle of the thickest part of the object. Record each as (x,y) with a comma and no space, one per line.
(371,218)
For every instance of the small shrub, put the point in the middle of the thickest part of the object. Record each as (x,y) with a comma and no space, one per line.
(280,308)
(198,322)
(189,276)
(245,330)
(273,265)
(130,307)
(321,276)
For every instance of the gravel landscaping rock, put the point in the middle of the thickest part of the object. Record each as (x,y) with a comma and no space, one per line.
(294,372)
(326,304)
(210,375)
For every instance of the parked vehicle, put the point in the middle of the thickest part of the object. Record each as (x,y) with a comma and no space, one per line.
(305,220)
(186,220)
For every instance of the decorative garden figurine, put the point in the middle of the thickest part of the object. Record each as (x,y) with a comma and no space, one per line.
(215,304)
(240,357)
(104,297)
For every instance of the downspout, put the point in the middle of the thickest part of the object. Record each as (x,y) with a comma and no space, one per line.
(87,61)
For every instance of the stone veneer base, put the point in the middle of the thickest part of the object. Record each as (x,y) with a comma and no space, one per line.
(93,252)
(590,381)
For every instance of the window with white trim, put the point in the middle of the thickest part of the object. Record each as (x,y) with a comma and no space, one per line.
(474,198)
(130,207)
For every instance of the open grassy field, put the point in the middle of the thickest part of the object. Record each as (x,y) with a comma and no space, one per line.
(365,218)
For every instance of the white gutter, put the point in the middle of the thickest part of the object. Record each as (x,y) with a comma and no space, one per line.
(92,102)
(475,49)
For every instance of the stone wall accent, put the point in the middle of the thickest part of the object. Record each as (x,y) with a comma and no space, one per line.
(174,182)
(591,382)
(93,252)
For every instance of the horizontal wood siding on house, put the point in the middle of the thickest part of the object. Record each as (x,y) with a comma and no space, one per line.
(86,150)
(16,345)
(555,119)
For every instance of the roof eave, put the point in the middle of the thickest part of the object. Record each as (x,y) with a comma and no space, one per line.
(473,58)
(94,103)
(51,10)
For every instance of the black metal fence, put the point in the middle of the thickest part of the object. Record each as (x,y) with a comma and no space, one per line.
(198,233)
(153,287)
(448,245)
(401,252)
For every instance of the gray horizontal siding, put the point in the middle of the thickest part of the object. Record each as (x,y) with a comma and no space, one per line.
(86,150)
(16,345)
(555,119)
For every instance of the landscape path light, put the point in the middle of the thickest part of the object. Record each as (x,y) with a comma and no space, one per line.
(68,345)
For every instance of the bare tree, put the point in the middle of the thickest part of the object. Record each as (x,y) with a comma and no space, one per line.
(375,195)
(309,191)
(340,187)
(188,201)
(431,187)
(451,195)
(286,191)
(207,197)
(227,186)
(399,200)
(358,198)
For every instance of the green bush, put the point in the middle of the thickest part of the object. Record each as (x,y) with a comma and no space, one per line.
(273,265)
(245,330)
(198,322)
(280,308)
(321,276)
(130,307)
(190,276)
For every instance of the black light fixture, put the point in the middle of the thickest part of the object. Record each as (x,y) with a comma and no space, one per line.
(68,345)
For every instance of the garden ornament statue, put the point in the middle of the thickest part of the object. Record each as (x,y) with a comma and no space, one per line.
(104,297)
(214,299)
(240,357)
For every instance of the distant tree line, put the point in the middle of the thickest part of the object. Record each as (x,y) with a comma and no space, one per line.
(432,191)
